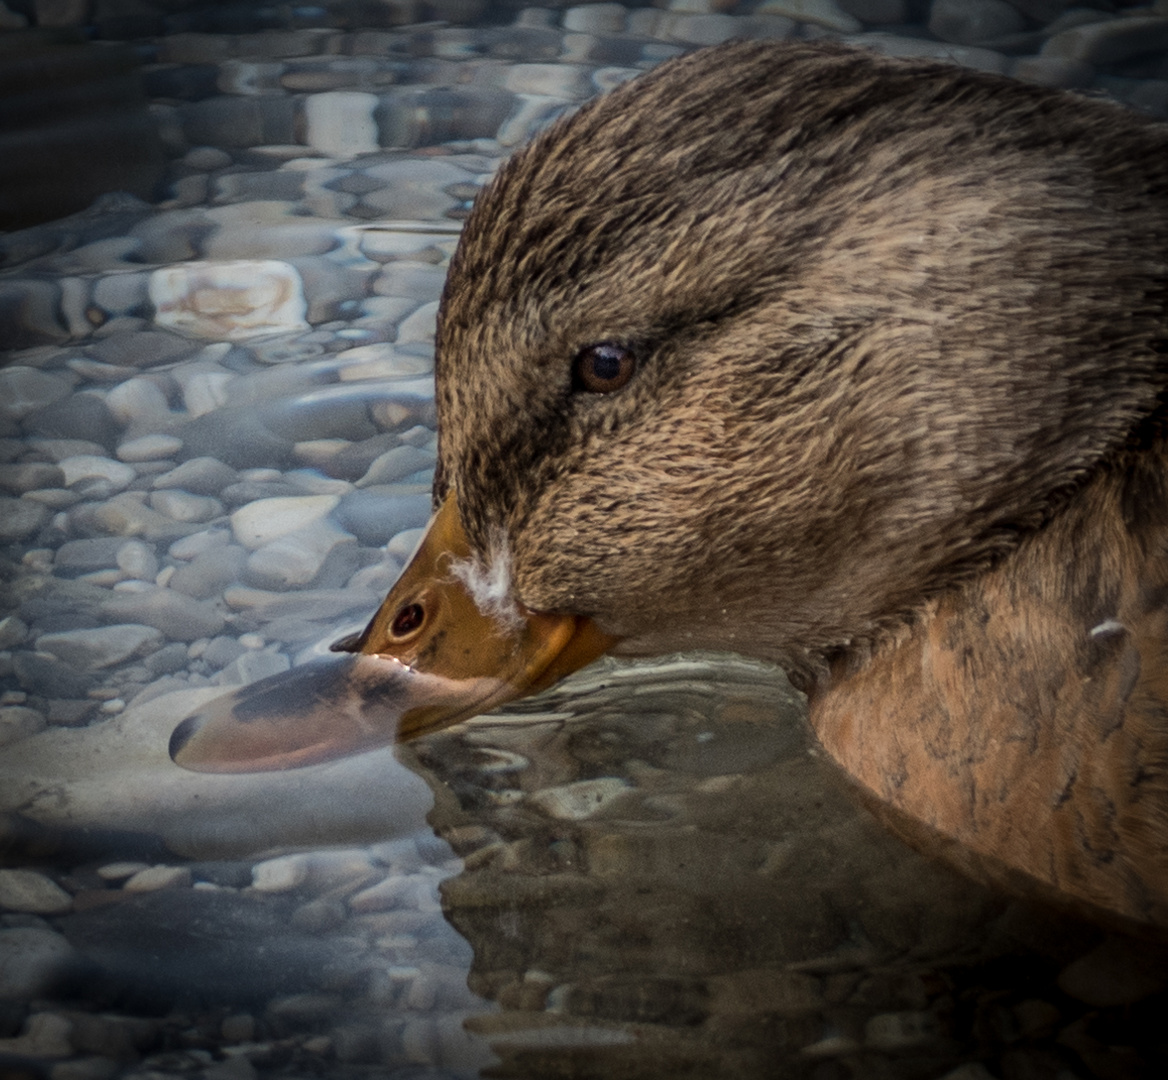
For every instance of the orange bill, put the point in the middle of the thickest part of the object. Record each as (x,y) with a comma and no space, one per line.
(431,656)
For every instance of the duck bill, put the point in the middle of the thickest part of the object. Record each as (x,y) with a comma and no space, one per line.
(432,655)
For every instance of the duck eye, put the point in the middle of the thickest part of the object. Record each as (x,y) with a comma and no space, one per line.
(603,368)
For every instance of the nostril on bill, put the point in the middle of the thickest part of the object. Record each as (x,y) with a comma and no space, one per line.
(407,620)
(182,735)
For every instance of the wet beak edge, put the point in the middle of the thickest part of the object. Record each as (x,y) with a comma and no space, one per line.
(429,658)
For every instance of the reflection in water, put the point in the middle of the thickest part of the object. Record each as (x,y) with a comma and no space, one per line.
(656,875)
(674,882)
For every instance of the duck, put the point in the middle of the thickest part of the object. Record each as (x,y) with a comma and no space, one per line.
(852,364)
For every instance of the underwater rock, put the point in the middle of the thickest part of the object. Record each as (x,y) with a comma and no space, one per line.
(32,960)
(33,892)
(101,647)
(229,301)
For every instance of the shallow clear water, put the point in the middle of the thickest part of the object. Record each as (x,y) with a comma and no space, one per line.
(648,871)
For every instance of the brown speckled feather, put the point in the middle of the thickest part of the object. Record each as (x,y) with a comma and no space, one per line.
(900,336)
(1026,715)
(887,313)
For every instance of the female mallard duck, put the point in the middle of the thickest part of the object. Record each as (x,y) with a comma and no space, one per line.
(849,363)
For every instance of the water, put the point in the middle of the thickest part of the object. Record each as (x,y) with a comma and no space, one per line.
(647,871)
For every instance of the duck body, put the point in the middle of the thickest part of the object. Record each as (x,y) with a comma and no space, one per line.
(1019,727)
(848,363)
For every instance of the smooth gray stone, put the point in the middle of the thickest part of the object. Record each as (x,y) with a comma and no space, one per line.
(139,400)
(354,460)
(17,479)
(18,722)
(199,476)
(60,449)
(1110,42)
(357,183)
(319,556)
(32,962)
(299,631)
(76,557)
(127,516)
(164,684)
(122,294)
(246,491)
(608,49)
(153,453)
(25,390)
(183,506)
(196,543)
(330,290)
(595,19)
(210,572)
(61,604)
(331,412)
(375,517)
(12,631)
(208,158)
(167,660)
(237,437)
(1054,71)
(28,314)
(144,348)
(276,186)
(889,12)
(101,647)
(396,464)
(251,667)
(221,650)
(138,560)
(311,617)
(71,712)
(173,236)
(286,350)
(20,518)
(229,121)
(95,489)
(86,467)
(173,946)
(967,22)
(179,617)
(412,280)
(413,187)
(266,520)
(523,43)
(79,416)
(49,677)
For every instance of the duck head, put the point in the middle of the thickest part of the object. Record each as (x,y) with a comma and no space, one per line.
(758,352)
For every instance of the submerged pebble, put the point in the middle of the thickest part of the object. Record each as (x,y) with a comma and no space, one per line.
(32,960)
(27,890)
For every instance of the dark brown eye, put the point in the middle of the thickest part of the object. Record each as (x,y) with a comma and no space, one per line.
(603,368)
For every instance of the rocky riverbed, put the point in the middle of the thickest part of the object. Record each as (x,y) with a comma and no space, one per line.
(216,440)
